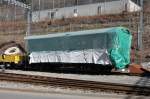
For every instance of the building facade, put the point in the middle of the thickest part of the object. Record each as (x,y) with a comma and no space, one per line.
(100,8)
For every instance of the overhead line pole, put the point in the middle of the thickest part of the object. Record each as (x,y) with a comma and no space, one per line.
(141,28)
(39,9)
(29,19)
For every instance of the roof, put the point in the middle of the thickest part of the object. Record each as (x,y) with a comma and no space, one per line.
(86,32)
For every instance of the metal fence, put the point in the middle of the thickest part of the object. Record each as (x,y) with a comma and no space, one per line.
(13,19)
(13,15)
(51,4)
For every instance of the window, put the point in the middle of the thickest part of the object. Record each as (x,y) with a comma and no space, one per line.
(48,14)
(51,15)
(126,7)
(75,11)
(99,10)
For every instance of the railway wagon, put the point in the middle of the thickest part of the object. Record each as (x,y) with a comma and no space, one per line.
(107,46)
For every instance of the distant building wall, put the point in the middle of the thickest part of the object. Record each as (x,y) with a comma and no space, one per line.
(103,8)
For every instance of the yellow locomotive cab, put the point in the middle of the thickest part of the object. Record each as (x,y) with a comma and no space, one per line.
(11,58)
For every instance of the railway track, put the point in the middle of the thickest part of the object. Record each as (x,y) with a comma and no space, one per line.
(76,84)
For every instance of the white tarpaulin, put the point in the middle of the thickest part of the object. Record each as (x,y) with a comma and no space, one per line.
(95,56)
(146,65)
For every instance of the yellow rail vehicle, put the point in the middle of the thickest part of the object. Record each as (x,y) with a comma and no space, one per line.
(16,59)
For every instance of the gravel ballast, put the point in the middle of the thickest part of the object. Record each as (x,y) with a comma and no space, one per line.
(123,79)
